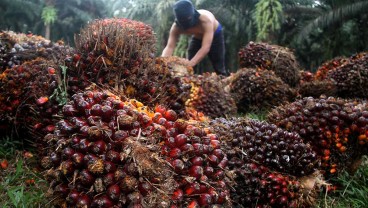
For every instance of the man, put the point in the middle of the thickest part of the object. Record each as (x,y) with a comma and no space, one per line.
(207,35)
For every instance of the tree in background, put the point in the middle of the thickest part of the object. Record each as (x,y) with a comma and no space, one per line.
(52,19)
(268,18)
(49,16)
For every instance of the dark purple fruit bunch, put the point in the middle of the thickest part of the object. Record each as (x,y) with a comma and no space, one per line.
(17,48)
(279,59)
(258,90)
(258,186)
(336,128)
(108,152)
(247,140)
(208,95)
(351,78)
(317,88)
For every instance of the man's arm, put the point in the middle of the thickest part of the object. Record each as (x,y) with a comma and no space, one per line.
(206,43)
(171,43)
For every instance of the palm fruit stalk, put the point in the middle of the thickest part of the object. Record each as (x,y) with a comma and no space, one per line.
(30,96)
(111,152)
(208,96)
(17,48)
(279,59)
(336,129)
(247,140)
(317,88)
(258,90)
(351,78)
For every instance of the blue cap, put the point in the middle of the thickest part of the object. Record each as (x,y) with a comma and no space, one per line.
(186,16)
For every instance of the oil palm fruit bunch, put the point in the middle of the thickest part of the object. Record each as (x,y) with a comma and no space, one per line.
(111,152)
(109,50)
(208,96)
(271,57)
(258,186)
(322,71)
(351,78)
(247,140)
(177,66)
(336,128)
(118,53)
(30,96)
(16,48)
(255,90)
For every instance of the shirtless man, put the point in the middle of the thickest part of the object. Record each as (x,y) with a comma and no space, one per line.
(207,35)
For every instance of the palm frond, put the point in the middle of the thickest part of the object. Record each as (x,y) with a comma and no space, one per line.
(334,16)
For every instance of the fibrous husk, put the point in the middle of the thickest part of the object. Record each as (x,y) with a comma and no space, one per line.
(178,66)
(257,90)
(276,58)
(208,95)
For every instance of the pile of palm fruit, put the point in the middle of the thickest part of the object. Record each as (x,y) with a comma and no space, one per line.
(119,127)
(336,128)
(275,58)
(109,152)
(208,95)
(258,90)
(16,48)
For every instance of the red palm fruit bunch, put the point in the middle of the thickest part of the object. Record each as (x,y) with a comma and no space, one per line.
(254,89)
(336,128)
(351,78)
(279,59)
(322,71)
(107,152)
(208,96)
(246,140)
(16,48)
(258,186)
(110,50)
(28,97)
(118,53)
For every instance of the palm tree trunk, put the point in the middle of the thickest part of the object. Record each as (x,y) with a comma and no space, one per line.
(47,31)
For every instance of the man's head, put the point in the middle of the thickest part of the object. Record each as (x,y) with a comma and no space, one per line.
(186,15)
